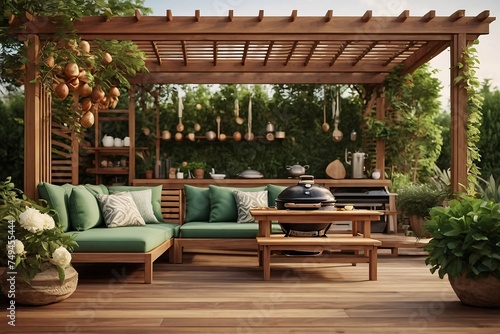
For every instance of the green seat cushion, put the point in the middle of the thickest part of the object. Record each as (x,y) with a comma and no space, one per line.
(197,203)
(155,196)
(84,211)
(222,230)
(273,192)
(57,198)
(223,205)
(134,239)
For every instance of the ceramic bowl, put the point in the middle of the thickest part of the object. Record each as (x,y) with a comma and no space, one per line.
(217,176)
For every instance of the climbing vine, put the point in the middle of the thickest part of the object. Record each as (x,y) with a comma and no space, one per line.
(468,80)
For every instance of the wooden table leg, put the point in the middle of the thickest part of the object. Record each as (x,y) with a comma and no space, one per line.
(372,264)
(367,229)
(266,262)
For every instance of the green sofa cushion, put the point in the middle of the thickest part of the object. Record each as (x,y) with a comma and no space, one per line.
(84,211)
(134,239)
(197,203)
(223,205)
(99,189)
(155,196)
(57,198)
(273,192)
(222,230)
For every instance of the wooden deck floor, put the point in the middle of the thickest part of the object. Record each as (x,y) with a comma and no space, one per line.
(222,293)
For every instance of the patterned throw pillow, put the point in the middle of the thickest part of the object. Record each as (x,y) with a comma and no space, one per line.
(142,200)
(120,210)
(246,200)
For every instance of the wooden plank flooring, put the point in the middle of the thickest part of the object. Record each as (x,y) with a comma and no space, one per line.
(224,293)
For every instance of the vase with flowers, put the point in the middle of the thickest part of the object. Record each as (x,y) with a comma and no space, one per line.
(34,251)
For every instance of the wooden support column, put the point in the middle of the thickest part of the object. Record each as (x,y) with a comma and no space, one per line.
(380,145)
(37,129)
(458,129)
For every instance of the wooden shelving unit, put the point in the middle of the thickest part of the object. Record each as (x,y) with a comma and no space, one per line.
(115,154)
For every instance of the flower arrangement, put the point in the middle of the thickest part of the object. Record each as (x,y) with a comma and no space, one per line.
(30,239)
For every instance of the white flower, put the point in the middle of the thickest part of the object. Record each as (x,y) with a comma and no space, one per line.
(18,247)
(48,222)
(61,257)
(32,220)
(476,218)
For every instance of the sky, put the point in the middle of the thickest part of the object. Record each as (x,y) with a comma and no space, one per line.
(488,48)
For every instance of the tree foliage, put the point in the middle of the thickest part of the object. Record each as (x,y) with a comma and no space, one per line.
(490,132)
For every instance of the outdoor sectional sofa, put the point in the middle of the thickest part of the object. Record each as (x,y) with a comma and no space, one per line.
(211,222)
(213,218)
(80,214)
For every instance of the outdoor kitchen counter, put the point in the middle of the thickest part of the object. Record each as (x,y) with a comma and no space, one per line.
(327,183)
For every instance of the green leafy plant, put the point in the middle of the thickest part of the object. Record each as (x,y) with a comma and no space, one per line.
(465,238)
(195,165)
(30,240)
(417,199)
(488,189)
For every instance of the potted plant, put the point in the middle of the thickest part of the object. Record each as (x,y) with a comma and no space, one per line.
(465,245)
(198,169)
(147,161)
(415,201)
(34,251)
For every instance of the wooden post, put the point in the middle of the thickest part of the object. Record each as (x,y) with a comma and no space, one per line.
(458,129)
(380,148)
(36,125)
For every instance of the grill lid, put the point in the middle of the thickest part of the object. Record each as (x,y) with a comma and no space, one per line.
(305,194)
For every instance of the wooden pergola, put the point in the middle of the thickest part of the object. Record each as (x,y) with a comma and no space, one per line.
(260,49)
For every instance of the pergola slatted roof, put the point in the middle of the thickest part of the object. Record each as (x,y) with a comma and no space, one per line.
(361,49)
(276,49)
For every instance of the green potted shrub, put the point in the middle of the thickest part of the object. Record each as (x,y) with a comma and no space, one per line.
(415,201)
(465,245)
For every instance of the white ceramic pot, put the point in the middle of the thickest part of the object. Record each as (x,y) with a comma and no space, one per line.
(107,141)
(126,141)
(118,142)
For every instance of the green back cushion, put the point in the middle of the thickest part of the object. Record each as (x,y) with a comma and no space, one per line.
(155,196)
(273,192)
(197,204)
(223,205)
(99,189)
(57,198)
(84,209)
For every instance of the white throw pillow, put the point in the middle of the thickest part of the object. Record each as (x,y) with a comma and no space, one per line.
(245,200)
(142,199)
(120,210)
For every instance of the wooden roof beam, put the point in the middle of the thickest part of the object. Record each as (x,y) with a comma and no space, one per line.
(290,54)
(293,16)
(184,52)
(481,17)
(268,53)
(429,16)
(343,46)
(367,16)
(245,53)
(157,53)
(215,51)
(329,15)
(230,15)
(403,16)
(457,15)
(309,56)
(137,15)
(197,15)
(388,61)
(364,53)
(261,15)
(169,15)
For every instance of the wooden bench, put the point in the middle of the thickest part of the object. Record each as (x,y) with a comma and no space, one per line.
(365,250)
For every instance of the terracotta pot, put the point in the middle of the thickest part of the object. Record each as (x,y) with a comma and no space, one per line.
(199,173)
(149,174)
(45,287)
(482,292)
(416,224)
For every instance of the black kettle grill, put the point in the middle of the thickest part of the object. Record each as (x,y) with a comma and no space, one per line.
(305,195)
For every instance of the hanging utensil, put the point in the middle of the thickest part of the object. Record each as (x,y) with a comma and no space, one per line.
(239,120)
(249,135)
(180,126)
(337,134)
(220,136)
(325,126)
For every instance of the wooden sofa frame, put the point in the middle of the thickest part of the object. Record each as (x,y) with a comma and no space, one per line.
(172,210)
